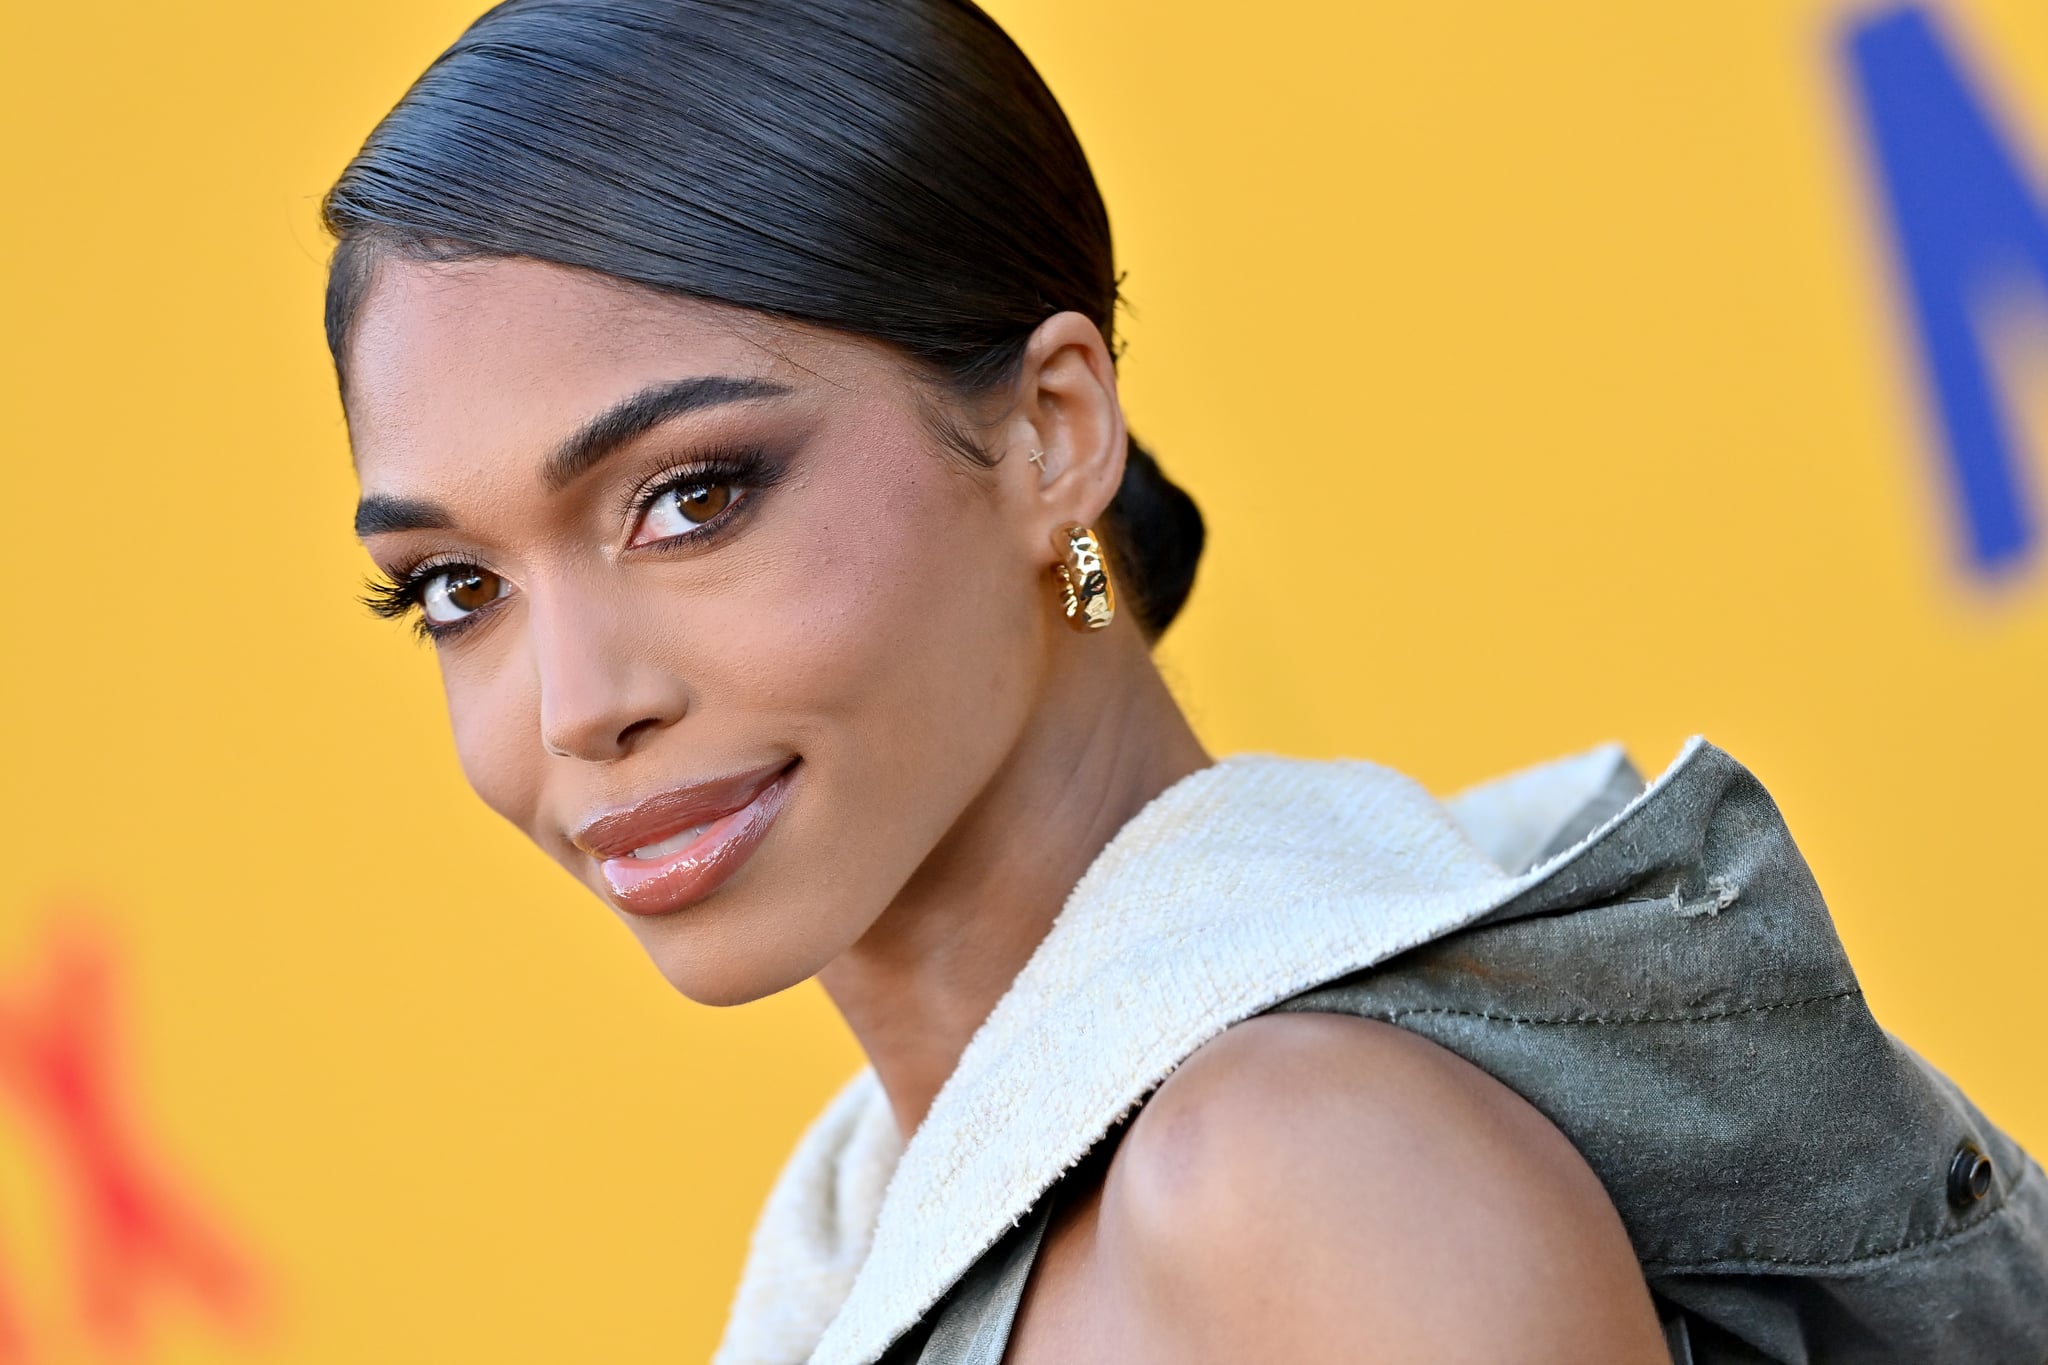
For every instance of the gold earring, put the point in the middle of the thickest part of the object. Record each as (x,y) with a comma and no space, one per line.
(1037,457)
(1083,577)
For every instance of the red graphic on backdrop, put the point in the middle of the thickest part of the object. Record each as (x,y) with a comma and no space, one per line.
(132,1228)
(13,1336)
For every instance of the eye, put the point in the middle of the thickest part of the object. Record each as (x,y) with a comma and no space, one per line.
(683,508)
(458,590)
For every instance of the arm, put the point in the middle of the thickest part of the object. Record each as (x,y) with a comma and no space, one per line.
(1316,1187)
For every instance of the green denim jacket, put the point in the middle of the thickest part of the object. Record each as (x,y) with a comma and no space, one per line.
(1799,1186)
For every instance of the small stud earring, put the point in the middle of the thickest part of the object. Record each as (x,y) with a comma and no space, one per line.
(1037,457)
(1086,597)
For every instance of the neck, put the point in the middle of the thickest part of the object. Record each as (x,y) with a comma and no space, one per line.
(924,977)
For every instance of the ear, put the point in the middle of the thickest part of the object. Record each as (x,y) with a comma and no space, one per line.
(1065,406)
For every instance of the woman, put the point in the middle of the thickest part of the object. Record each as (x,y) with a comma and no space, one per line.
(733,393)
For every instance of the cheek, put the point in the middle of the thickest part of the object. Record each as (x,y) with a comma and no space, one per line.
(899,621)
(494,715)
(894,638)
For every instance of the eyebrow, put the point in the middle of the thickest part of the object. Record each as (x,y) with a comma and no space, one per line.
(583,451)
(650,407)
(376,516)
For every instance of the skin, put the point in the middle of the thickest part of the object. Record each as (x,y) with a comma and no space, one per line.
(1314,1188)
(883,613)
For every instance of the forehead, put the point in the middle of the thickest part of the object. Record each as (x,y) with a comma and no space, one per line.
(470,359)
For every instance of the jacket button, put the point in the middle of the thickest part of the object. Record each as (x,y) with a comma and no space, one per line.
(1969,1176)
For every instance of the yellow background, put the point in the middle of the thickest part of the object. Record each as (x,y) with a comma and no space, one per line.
(1538,367)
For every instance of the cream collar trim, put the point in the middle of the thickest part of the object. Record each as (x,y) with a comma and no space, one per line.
(1244,883)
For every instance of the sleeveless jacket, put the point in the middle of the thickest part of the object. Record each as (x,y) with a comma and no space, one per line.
(1654,970)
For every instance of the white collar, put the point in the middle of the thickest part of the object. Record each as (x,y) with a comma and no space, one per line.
(1242,884)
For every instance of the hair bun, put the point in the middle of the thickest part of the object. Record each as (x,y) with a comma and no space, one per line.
(1158,540)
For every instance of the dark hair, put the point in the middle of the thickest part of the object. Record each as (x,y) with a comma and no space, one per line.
(894,169)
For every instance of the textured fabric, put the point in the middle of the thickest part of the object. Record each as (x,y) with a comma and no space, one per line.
(1665,986)
(1680,1006)
(814,1230)
(982,1308)
(1240,885)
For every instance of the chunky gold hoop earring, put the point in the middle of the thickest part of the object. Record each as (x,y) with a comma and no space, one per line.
(1086,595)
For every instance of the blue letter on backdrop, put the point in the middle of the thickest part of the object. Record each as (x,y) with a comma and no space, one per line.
(1965,219)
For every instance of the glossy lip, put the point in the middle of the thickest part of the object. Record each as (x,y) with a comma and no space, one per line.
(739,811)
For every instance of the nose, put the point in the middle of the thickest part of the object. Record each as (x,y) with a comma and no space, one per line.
(604,687)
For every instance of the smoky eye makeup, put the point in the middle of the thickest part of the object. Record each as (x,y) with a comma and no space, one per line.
(685,505)
(442,595)
(697,500)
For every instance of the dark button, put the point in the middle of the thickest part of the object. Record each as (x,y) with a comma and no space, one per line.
(1969,1176)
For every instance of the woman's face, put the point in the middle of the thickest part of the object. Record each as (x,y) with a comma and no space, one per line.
(703,585)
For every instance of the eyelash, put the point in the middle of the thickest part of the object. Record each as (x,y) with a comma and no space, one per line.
(398,595)
(748,471)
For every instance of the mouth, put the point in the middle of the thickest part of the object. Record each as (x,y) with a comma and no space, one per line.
(677,847)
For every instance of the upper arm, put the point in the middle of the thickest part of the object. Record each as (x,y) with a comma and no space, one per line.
(1312,1187)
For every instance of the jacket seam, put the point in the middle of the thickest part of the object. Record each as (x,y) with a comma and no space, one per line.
(1392,1014)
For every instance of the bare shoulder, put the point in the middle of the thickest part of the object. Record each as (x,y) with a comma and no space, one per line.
(1317,1187)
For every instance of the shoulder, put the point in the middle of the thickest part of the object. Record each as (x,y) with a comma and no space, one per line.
(1306,1183)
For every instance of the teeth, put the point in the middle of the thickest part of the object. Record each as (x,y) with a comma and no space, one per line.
(675,843)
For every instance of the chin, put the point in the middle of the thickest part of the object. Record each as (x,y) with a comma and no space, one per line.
(720,989)
(711,962)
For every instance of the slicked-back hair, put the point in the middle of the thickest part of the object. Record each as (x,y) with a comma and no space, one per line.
(891,169)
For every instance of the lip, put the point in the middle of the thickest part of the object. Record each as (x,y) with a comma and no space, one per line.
(737,811)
